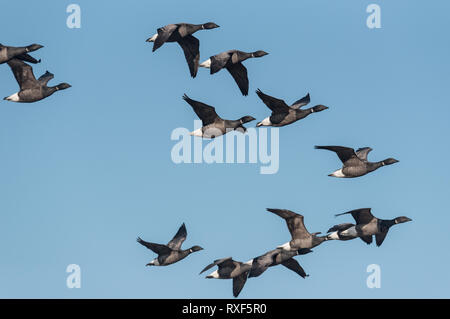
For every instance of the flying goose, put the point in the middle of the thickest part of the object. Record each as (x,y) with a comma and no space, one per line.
(213,125)
(355,163)
(182,34)
(366,226)
(276,257)
(172,252)
(230,269)
(7,53)
(31,90)
(301,238)
(282,114)
(232,61)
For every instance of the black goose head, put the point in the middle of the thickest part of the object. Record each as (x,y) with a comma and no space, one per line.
(402,219)
(195,248)
(259,53)
(389,161)
(319,108)
(63,86)
(246,119)
(210,25)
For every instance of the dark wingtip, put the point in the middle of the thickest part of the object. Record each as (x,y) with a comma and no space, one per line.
(185,97)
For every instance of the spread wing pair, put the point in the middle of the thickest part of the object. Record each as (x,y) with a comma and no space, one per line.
(174,244)
(347,153)
(205,112)
(25,77)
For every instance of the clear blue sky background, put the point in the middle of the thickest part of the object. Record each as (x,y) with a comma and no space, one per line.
(86,171)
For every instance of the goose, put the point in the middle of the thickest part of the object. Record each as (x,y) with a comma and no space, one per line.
(282,114)
(366,226)
(278,256)
(172,252)
(301,238)
(232,61)
(31,90)
(213,125)
(230,269)
(355,163)
(7,53)
(182,34)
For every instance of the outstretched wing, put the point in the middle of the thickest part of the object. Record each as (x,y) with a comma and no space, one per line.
(239,282)
(223,262)
(156,248)
(379,238)
(23,73)
(205,112)
(344,153)
(164,34)
(293,265)
(178,239)
(302,102)
(219,61)
(239,73)
(361,215)
(28,58)
(362,153)
(276,105)
(190,46)
(366,239)
(294,222)
(47,76)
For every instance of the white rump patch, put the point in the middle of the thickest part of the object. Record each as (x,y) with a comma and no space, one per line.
(205,64)
(197,132)
(338,173)
(333,235)
(14,97)
(350,232)
(265,122)
(214,274)
(153,38)
(286,246)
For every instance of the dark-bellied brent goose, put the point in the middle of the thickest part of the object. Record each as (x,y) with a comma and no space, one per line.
(278,256)
(232,61)
(301,238)
(282,114)
(227,268)
(213,125)
(31,90)
(7,53)
(366,226)
(355,164)
(182,34)
(172,252)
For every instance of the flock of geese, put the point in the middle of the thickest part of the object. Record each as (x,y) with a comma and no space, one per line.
(354,163)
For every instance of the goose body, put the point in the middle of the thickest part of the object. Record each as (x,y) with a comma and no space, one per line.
(276,257)
(301,238)
(355,164)
(213,125)
(232,61)
(172,252)
(31,90)
(227,268)
(365,228)
(182,34)
(282,114)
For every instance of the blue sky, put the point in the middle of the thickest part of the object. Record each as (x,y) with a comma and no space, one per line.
(86,171)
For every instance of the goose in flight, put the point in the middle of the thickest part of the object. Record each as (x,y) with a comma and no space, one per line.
(366,226)
(283,114)
(232,61)
(278,256)
(213,125)
(7,53)
(182,34)
(31,90)
(172,252)
(355,164)
(227,268)
(301,238)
